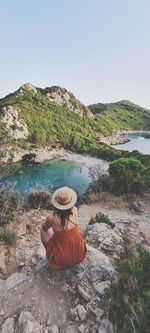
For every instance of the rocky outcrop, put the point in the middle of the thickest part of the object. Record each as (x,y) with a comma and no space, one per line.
(106,239)
(115,139)
(64,98)
(17,127)
(27,87)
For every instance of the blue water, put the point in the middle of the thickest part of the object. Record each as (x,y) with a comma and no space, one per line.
(48,177)
(137,142)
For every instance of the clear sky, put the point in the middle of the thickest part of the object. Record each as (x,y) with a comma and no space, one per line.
(98,49)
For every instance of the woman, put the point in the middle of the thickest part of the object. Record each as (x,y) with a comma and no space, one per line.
(60,236)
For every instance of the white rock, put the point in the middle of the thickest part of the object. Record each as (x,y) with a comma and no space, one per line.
(108,239)
(97,266)
(82,328)
(14,279)
(101,287)
(54,329)
(2,313)
(81,311)
(83,293)
(17,127)
(106,327)
(2,286)
(8,326)
(3,268)
(28,324)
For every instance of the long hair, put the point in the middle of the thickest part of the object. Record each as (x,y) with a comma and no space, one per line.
(63,214)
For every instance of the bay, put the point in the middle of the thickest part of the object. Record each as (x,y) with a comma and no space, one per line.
(137,142)
(48,177)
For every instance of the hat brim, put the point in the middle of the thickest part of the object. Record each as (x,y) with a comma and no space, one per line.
(67,206)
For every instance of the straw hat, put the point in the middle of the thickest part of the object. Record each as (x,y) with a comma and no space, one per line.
(64,198)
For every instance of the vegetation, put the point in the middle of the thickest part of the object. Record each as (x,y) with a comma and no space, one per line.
(129,302)
(128,175)
(49,123)
(38,200)
(10,202)
(102,218)
(122,115)
(8,236)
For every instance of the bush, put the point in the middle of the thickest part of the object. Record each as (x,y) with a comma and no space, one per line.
(128,175)
(102,218)
(129,302)
(8,236)
(10,202)
(41,200)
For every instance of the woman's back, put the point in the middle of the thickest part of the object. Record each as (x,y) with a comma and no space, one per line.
(66,247)
(68,223)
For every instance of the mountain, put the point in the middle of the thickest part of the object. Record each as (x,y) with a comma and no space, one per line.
(35,117)
(122,115)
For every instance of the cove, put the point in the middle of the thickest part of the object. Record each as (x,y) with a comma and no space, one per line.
(137,142)
(48,177)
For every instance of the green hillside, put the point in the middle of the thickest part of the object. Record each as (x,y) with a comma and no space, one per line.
(122,115)
(70,125)
(52,124)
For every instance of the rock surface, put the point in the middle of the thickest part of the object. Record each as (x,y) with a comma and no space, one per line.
(106,327)
(64,98)
(70,300)
(17,127)
(8,326)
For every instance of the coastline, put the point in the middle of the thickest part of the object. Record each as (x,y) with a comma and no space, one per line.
(121,137)
(39,156)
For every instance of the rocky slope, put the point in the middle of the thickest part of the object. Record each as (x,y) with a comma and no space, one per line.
(35,299)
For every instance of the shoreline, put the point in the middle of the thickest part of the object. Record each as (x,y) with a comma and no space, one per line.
(48,154)
(121,137)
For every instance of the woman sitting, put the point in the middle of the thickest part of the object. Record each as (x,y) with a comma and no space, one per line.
(60,236)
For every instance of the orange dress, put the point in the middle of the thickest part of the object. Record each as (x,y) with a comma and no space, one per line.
(65,249)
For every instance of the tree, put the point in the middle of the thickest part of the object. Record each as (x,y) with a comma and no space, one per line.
(127,175)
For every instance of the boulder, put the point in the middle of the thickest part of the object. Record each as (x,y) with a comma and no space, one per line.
(14,279)
(96,266)
(8,326)
(102,236)
(28,324)
(106,327)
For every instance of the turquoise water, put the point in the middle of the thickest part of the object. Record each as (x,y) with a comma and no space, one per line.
(48,177)
(138,142)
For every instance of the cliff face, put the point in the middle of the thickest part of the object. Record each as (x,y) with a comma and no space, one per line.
(17,128)
(65,98)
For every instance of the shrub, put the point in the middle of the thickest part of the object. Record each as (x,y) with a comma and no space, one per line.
(10,202)
(102,218)
(41,200)
(8,236)
(129,302)
(127,175)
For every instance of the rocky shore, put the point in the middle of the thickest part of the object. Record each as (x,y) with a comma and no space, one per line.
(121,137)
(38,156)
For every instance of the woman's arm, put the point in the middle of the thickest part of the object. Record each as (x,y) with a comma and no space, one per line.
(48,223)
